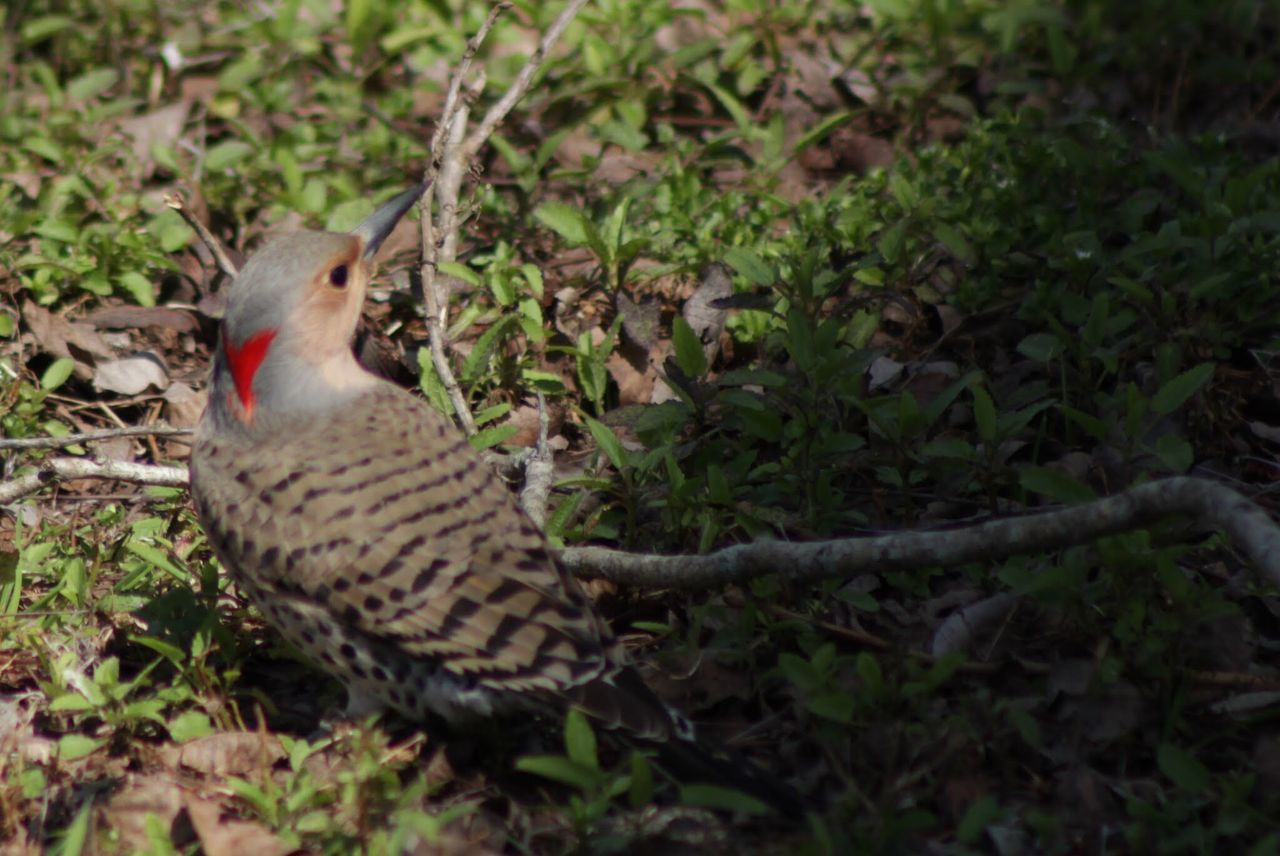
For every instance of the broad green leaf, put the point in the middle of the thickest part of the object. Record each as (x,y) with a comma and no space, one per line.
(688,348)
(91,84)
(984,415)
(559,769)
(723,799)
(483,349)
(1054,484)
(565,220)
(39,29)
(490,437)
(73,746)
(580,740)
(750,265)
(1175,393)
(608,443)
(1184,769)
(58,372)
(189,725)
(139,287)
(460,271)
(226,155)
(1041,347)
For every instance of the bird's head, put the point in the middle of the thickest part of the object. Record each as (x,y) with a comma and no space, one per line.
(290,317)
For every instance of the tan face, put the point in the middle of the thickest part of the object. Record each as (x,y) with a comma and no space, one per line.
(329,307)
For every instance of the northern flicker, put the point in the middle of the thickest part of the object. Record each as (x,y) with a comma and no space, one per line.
(367,531)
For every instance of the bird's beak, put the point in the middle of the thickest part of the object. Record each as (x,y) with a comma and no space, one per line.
(375,228)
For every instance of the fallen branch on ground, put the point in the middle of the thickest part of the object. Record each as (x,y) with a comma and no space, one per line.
(1208,503)
(65,469)
(92,436)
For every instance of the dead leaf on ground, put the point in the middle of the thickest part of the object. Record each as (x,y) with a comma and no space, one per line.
(131,375)
(160,127)
(132,317)
(58,337)
(703,310)
(128,809)
(224,835)
(231,753)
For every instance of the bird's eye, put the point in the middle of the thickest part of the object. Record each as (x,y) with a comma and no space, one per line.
(338,276)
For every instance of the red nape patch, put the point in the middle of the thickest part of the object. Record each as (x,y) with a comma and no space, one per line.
(245,361)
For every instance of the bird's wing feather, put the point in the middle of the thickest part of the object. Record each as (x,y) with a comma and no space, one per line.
(384,514)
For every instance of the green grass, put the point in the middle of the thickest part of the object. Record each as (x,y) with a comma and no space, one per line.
(1072,252)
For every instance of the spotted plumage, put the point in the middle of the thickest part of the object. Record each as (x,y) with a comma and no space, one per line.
(365,528)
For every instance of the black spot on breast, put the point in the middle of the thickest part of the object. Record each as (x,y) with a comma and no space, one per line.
(270,555)
(348,650)
(350,614)
(373,603)
(364,578)
(378,673)
(341,584)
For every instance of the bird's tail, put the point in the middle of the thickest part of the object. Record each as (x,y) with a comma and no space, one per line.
(622,701)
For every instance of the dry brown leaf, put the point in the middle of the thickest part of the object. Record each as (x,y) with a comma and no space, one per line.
(131,375)
(128,809)
(127,317)
(58,337)
(222,835)
(702,309)
(159,127)
(230,753)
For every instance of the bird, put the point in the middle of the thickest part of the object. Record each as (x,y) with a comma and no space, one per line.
(366,530)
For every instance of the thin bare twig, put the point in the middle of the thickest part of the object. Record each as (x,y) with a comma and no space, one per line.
(452,151)
(1208,502)
(220,256)
(63,469)
(91,436)
(493,118)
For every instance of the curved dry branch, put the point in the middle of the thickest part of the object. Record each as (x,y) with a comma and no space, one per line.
(91,436)
(1209,503)
(64,469)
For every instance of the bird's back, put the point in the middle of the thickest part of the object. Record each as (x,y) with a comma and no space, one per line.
(379,543)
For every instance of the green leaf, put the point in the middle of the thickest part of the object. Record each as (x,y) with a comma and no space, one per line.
(496,435)
(189,725)
(608,443)
(1175,393)
(984,414)
(1183,768)
(950,237)
(750,265)
(226,154)
(73,746)
(58,372)
(717,797)
(157,557)
(139,288)
(1054,484)
(1041,347)
(460,271)
(91,84)
(484,347)
(690,356)
(559,769)
(641,781)
(565,220)
(77,834)
(980,814)
(39,29)
(580,740)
